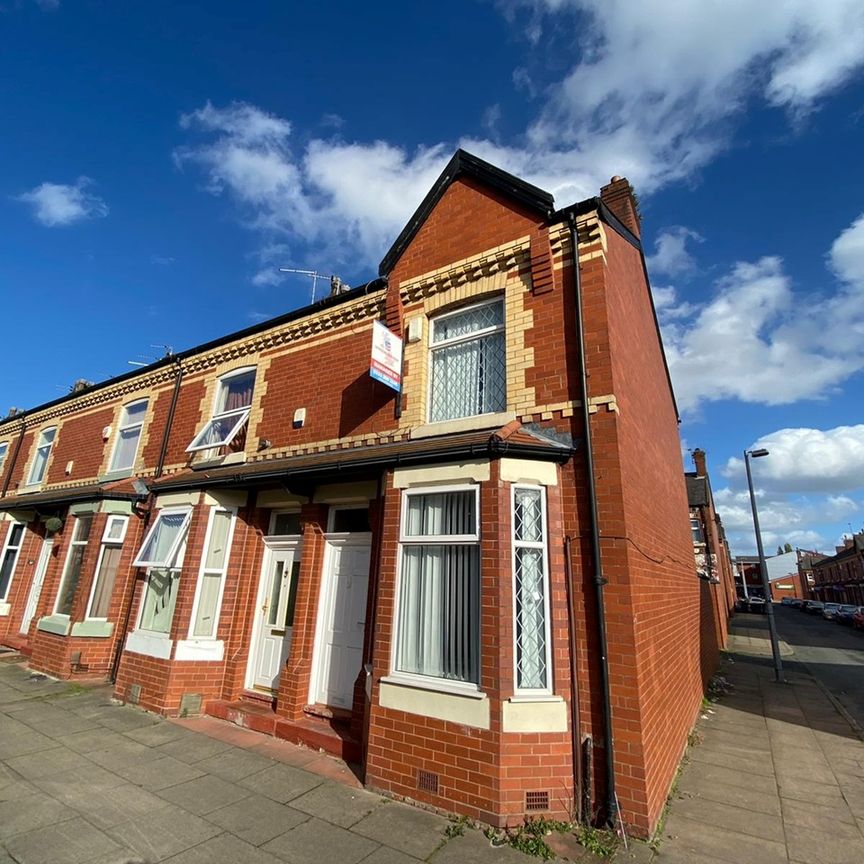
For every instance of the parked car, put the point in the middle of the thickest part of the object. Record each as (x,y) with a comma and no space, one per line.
(787,601)
(845,613)
(829,610)
(757,605)
(814,607)
(858,619)
(797,602)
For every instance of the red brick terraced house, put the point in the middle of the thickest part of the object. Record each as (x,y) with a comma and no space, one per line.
(465,587)
(837,578)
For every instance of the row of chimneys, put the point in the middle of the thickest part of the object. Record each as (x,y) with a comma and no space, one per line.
(78,386)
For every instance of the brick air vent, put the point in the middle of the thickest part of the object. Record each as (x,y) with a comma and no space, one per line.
(190,703)
(536,801)
(427,781)
(133,697)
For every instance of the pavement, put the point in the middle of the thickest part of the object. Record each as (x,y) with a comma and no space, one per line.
(774,773)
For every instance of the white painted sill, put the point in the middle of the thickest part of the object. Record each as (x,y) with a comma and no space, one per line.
(539,698)
(435,686)
(200,649)
(149,644)
(464,424)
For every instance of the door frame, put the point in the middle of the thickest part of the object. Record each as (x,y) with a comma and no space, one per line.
(353,538)
(270,546)
(42,562)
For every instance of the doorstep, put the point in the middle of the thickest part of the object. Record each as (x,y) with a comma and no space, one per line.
(327,734)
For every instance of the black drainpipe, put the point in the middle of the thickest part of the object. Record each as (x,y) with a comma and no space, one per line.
(11,467)
(596,557)
(121,636)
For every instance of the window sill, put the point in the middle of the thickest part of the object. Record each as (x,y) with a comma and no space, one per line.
(149,644)
(539,698)
(26,490)
(93,628)
(58,624)
(436,685)
(467,708)
(5,608)
(238,458)
(119,474)
(200,649)
(464,424)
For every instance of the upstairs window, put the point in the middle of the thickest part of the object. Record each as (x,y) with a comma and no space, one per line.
(40,460)
(696,531)
(4,449)
(230,413)
(467,363)
(128,436)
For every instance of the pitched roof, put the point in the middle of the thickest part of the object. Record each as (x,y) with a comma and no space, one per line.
(464,164)
(118,491)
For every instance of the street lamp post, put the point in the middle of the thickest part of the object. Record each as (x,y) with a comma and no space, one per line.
(763,569)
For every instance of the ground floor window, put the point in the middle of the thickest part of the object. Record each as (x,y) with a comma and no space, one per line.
(74,562)
(438,622)
(106,568)
(11,548)
(160,597)
(214,563)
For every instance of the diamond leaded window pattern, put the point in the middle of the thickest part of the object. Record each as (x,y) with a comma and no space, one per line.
(529,573)
(468,368)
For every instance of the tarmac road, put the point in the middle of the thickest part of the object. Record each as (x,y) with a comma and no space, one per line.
(833,654)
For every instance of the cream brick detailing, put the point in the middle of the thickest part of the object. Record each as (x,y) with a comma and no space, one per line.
(595,403)
(592,240)
(528,471)
(567,409)
(476,471)
(519,357)
(500,259)
(178,499)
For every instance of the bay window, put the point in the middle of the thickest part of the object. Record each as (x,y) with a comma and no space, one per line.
(467,362)
(106,567)
(211,577)
(438,621)
(530,590)
(230,411)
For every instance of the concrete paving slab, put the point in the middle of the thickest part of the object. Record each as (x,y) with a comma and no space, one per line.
(90,740)
(38,810)
(806,814)
(761,764)
(257,819)
(163,834)
(19,745)
(822,847)
(408,829)
(193,749)
(158,733)
(114,756)
(93,778)
(730,777)
(340,805)
(314,841)
(737,819)
(281,783)
(204,794)
(47,762)
(73,842)
(227,849)
(123,718)
(801,789)
(473,848)
(384,855)
(234,764)
(159,773)
(697,837)
(108,806)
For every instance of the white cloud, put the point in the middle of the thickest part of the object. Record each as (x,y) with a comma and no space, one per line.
(646,98)
(672,257)
(59,204)
(810,461)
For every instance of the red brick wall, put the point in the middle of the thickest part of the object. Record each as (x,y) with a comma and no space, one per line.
(80,442)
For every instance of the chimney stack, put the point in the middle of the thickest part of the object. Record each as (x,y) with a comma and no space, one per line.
(699,462)
(619,197)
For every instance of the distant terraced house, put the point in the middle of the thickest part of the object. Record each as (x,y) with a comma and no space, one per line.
(464,585)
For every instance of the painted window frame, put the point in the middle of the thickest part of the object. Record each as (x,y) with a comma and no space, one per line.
(284,511)
(41,444)
(174,571)
(204,571)
(106,541)
(479,334)
(122,427)
(74,543)
(431,682)
(7,546)
(242,414)
(543,545)
(164,563)
(4,452)
(331,517)
(696,524)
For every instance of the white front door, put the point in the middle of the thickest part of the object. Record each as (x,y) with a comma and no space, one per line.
(275,615)
(36,584)
(342,621)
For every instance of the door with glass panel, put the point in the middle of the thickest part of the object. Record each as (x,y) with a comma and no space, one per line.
(275,615)
(36,584)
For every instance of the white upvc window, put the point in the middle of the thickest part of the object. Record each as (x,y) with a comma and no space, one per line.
(467,362)
(128,436)
(696,530)
(230,411)
(111,548)
(4,449)
(160,546)
(74,562)
(43,452)
(438,619)
(9,558)
(162,552)
(531,631)
(211,576)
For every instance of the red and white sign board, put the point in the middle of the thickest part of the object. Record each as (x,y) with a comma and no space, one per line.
(386,365)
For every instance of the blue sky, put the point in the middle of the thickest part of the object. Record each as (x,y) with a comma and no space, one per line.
(160,161)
